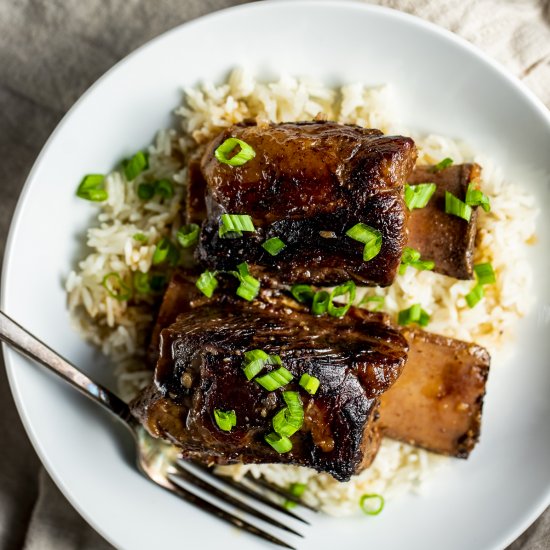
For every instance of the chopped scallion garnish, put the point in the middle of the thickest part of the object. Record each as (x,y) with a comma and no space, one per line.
(369,236)
(134,166)
(309,383)
(485,274)
(475,295)
(207,283)
(145,191)
(411,257)
(302,293)
(297,489)
(233,225)
(475,197)
(140,237)
(242,157)
(225,420)
(91,188)
(290,419)
(340,311)
(280,443)
(456,207)
(289,504)
(188,235)
(275,379)
(320,302)
(249,286)
(164,188)
(141,282)
(445,163)
(418,196)
(255,360)
(116,288)
(161,251)
(165,251)
(371,504)
(377,301)
(414,314)
(273,245)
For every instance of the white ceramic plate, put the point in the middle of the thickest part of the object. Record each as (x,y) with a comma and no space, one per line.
(445,86)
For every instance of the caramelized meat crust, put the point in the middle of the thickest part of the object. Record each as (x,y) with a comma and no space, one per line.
(308,184)
(445,239)
(199,369)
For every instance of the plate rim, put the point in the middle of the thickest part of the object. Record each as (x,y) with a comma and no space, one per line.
(14,227)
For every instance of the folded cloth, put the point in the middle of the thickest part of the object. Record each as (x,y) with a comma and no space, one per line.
(50,52)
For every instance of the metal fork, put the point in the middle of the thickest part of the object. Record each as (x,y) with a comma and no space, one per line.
(165,469)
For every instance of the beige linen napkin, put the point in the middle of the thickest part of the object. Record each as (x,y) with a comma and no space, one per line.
(50,52)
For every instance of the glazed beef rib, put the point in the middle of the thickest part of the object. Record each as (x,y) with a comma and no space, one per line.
(200,369)
(308,183)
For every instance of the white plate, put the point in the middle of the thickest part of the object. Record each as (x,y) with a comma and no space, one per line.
(445,86)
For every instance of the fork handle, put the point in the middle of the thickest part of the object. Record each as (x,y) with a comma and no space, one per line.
(23,341)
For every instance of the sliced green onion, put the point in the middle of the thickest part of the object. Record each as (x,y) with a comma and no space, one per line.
(418,196)
(297,489)
(141,282)
(233,225)
(475,197)
(164,188)
(320,302)
(207,283)
(162,250)
(456,207)
(411,257)
(116,288)
(134,166)
(140,237)
(255,360)
(188,235)
(275,379)
(165,251)
(309,383)
(242,157)
(274,245)
(302,293)
(378,302)
(445,163)
(290,419)
(475,295)
(285,425)
(340,311)
(485,274)
(91,188)
(370,237)
(249,286)
(289,504)
(145,191)
(279,443)
(225,420)
(414,314)
(379,501)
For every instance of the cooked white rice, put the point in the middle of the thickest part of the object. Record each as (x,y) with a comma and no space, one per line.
(121,328)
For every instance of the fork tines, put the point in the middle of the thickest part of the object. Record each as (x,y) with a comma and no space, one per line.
(181,473)
(277,490)
(245,489)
